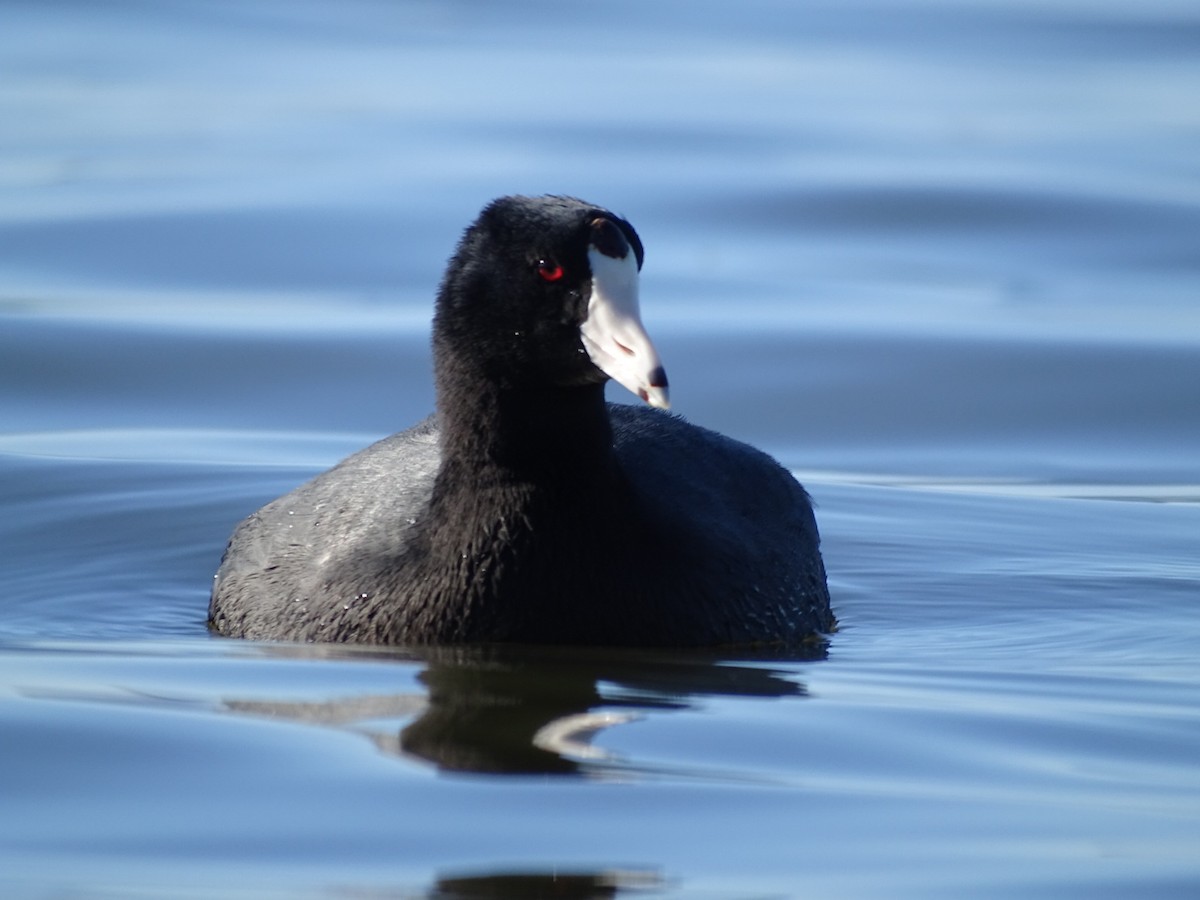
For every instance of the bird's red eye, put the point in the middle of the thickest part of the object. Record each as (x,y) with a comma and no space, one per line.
(549,269)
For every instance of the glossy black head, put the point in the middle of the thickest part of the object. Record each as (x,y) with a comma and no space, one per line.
(542,291)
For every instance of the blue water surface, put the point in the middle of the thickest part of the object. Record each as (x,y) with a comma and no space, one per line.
(942,260)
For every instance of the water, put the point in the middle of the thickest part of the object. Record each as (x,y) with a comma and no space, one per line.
(942,260)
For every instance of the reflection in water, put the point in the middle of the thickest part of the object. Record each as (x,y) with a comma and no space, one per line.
(525,710)
(536,885)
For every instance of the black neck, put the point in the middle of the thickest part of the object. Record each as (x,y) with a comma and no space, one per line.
(529,473)
(543,434)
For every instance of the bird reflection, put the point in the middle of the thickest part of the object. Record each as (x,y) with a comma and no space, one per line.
(536,885)
(530,710)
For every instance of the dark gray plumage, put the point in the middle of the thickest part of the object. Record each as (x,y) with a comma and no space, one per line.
(528,509)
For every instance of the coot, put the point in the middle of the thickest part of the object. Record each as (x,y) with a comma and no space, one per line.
(526,509)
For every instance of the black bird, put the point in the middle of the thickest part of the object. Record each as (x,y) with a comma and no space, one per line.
(527,509)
